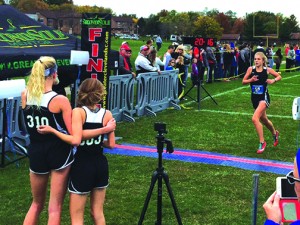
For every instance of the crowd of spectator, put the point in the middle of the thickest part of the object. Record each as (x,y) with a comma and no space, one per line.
(211,64)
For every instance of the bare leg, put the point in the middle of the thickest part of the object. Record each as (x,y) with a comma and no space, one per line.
(39,184)
(77,205)
(97,202)
(258,113)
(265,121)
(59,180)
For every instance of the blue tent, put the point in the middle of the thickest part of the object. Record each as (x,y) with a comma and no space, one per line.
(23,40)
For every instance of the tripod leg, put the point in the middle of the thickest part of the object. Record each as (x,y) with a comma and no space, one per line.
(198,94)
(186,94)
(153,181)
(209,95)
(166,179)
(159,199)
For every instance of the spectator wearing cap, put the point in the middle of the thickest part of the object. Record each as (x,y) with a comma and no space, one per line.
(125,43)
(125,66)
(142,63)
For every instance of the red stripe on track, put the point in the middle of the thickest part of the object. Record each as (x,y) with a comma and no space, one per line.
(212,156)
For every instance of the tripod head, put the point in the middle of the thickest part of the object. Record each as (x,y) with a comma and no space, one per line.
(161,129)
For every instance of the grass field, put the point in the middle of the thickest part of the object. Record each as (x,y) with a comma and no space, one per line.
(205,194)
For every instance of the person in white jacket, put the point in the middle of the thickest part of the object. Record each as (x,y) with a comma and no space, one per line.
(142,63)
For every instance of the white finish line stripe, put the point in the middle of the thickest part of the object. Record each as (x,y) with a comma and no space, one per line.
(244,114)
(237,89)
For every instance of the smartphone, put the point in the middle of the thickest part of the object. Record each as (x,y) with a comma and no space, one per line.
(285,189)
(288,203)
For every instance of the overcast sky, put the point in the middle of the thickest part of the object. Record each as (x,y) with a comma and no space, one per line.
(145,8)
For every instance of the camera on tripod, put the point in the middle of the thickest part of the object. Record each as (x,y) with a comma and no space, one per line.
(161,129)
(160,175)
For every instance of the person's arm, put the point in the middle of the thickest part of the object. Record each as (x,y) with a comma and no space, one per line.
(246,79)
(272,210)
(75,138)
(164,60)
(275,74)
(78,116)
(62,104)
(145,64)
(189,56)
(109,127)
(110,142)
(23,98)
(159,62)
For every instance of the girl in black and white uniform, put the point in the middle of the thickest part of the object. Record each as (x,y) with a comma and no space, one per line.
(48,155)
(89,172)
(257,77)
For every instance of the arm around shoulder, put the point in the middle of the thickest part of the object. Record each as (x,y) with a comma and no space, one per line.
(75,138)
(110,142)
(109,125)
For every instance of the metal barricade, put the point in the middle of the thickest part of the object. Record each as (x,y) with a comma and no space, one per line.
(12,138)
(121,96)
(156,92)
(14,121)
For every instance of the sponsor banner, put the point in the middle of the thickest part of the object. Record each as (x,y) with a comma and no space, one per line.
(96,38)
(23,40)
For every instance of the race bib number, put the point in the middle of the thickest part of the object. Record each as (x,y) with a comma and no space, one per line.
(36,121)
(257,89)
(92,141)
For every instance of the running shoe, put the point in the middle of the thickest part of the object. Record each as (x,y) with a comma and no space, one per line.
(276,138)
(261,147)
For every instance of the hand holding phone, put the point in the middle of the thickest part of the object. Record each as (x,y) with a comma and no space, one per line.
(289,205)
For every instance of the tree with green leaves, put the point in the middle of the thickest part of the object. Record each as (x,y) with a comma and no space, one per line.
(260,24)
(141,26)
(206,26)
(13,3)
(92,9)
(153,25)
(288,26)
(58,2)
(27,5)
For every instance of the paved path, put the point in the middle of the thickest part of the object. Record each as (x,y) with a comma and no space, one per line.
(196,156)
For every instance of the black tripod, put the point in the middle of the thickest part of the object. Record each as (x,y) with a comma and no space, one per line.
(199,85)
(160,175)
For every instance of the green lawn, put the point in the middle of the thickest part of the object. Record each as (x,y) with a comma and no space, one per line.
(205,194)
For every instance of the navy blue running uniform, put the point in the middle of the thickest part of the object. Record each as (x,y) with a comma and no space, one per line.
(90,168)
(259,88)
(46,152)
